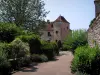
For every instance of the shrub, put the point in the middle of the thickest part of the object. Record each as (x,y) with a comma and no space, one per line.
(4,46)
(79,73)
(34,43)
(48,49)
(25,61)
(35,58)
(18,49)
(20,62)
(44,58)
(38,58)
(55,47)
(87,60)
(8,32)
(17,52)
(4,63)
(35,46)
(74,39)
(28,37)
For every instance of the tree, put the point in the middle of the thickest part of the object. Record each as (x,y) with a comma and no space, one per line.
(75,38)
(25,13)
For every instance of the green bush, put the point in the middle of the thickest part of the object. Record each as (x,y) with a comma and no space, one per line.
(8,32)
(18,49)
(55,47)
(38,58)
(4,63)
(35,58)
(26,61)
(48,49)
(86,60)
(17,52)
(44,58)
(28,37)
(79,73)
(4,46)
(16,64)
(74,39)
(34,43)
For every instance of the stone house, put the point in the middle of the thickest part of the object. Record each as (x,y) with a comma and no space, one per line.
(56,30)
(94,29)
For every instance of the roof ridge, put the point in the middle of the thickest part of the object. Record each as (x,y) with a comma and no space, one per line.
(61,18)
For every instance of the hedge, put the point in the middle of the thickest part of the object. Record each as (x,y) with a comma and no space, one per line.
(86,60)
(33,41)
(4,63)
(50,49)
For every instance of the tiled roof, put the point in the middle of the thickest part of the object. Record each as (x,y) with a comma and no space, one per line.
(61,19)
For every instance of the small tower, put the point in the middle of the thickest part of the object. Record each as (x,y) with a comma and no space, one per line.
(97,7)
(61,28)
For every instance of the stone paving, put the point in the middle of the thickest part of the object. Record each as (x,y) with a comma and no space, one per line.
(60,66)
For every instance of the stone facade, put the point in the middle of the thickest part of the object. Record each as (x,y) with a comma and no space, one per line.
(58,30)
(94,29)
(94,32)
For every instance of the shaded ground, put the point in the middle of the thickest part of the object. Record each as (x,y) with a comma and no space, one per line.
(61,66)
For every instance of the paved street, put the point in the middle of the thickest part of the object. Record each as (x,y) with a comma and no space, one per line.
(61,66)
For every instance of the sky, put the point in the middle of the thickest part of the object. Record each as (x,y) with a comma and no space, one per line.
(78,12)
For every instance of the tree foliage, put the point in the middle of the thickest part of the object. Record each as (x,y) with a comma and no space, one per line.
(9,31)
(26,13)
(74,39)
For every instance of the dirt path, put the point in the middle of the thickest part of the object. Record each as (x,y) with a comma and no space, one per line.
(61,66)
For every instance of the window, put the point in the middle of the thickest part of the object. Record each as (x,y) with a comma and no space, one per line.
(52,25)
(56,40)
(49,34)
(67,28)
(56,32)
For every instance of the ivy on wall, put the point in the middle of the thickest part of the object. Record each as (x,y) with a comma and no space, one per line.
(91,23)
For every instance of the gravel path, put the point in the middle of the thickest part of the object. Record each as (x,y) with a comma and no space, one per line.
(61,66)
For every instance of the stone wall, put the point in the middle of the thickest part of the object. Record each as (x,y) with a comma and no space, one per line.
(65,29)
(94,32)
(62,28)
(45,36)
